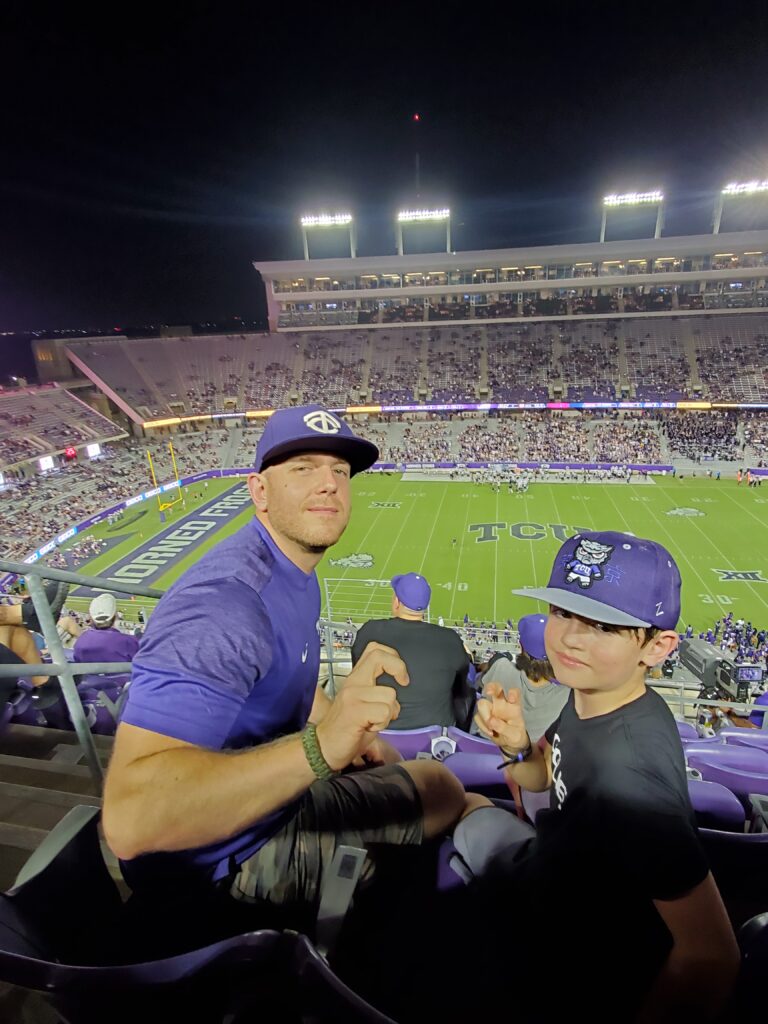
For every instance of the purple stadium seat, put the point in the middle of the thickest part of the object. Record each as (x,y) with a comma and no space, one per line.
(411,742)
(757,738)
(756,718)
(686,730)
(715,806)
(747,759)
(324,997)
(742,775)
(468,744)
(63,929)
(738,862)
(733,754)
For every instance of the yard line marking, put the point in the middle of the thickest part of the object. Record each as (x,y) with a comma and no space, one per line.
(458,560)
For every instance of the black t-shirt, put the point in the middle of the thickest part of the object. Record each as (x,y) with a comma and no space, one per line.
(570,918)
(623,775)
(437,668)
(619,834)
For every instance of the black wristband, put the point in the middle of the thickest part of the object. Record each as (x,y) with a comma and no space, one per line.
(518,758)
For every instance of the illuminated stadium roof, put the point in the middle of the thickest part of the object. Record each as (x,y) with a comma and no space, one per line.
(364,288)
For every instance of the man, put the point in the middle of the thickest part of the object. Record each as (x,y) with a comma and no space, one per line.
(226,768)
(104,642)
(541,697)
(434,656)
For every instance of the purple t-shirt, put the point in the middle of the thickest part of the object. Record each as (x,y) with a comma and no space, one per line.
(229,660)
(105,645)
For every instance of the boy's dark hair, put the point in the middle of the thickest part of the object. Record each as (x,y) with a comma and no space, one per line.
(641,633)
(534,668)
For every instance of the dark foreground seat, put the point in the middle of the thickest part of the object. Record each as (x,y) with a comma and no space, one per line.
(65,931)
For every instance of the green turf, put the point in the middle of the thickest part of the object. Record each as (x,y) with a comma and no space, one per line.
(476,577)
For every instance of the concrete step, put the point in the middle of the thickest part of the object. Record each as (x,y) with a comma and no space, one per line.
(41,778)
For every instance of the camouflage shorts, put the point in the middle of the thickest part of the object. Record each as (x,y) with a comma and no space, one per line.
(377,806)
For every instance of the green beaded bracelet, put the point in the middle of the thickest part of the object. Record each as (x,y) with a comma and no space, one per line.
(314,754)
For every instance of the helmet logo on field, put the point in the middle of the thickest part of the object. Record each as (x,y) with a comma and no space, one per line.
(322,422)
(686,512)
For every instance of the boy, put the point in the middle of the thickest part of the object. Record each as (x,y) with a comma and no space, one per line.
(615,882)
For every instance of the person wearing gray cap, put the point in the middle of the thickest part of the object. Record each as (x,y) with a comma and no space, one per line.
(229,663)
(437,663)
(531,673)
(104,642)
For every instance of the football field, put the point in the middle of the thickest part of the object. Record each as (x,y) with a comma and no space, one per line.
(474,545)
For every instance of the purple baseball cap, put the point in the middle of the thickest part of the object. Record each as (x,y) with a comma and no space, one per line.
(413,590)
(531,629)
(311,428)
(614,578)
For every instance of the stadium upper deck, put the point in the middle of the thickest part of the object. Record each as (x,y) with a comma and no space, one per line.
(634,278)
(37,423)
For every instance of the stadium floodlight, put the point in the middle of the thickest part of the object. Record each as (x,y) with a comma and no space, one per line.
(745,188)
(435,216)
(312,221)
(326,220)
(410,215)
(735,190)
(634,199)
(618,200)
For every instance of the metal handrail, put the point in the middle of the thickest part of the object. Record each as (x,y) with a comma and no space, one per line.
(81,668)
(65,576)
(34,573)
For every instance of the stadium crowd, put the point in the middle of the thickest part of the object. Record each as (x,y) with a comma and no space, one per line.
(628,440)
(710,435)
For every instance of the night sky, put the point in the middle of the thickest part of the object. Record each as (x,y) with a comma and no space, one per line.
(149,157)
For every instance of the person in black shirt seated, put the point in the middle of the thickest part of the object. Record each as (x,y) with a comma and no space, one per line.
(437,663)
(607,910)
(615,873)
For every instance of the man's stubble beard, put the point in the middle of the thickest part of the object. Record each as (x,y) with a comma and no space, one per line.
(309,544)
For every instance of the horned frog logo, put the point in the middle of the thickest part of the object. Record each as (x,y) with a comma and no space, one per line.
(359,561)
(687,512)
(585,566)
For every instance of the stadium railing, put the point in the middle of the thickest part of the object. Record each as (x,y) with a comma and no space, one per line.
(59,666)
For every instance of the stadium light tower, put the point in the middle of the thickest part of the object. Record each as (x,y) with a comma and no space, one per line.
(627,199)
(406,217)
(316,221)
(733,191)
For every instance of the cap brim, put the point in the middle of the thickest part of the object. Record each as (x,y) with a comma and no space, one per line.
(582,605)
(359,453)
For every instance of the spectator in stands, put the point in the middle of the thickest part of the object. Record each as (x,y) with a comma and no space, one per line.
(617,860)
(434,656)
(104,642)
(541,697)
(17,646)
(230,662)
(23,613)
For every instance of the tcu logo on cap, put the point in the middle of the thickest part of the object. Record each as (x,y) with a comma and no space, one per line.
(323,422)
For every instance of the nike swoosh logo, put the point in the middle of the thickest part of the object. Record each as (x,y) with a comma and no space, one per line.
(304,653)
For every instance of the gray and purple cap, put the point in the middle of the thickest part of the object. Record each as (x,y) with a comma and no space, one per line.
(614,578)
